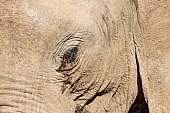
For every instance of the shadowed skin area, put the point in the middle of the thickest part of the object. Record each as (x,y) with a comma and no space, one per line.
(139,105)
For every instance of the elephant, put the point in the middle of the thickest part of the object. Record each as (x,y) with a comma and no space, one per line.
(81,56)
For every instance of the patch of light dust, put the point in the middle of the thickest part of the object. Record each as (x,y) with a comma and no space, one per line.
(36,18)
(32,14)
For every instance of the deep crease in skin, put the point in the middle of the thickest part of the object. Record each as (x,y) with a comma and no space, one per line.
(139,105)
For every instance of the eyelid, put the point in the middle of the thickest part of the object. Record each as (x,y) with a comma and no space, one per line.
(67,66)
(69,42)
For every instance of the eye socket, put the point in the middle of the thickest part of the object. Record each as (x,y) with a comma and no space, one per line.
(67,54)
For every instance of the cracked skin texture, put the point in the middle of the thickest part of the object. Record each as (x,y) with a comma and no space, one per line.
(100,56)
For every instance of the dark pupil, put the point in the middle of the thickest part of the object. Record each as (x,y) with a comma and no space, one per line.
(70,55)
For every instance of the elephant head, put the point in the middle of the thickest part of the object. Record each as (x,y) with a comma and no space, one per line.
(73,57)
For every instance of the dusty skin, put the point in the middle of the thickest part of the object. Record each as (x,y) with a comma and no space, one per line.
(84,56)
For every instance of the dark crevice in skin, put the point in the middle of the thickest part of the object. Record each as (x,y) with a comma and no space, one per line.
(139,105)
(84,92)
(77,110)
(74,84)
(80,109)
(7,105)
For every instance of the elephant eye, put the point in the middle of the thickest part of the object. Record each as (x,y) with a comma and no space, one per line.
(69,58)
(69,55)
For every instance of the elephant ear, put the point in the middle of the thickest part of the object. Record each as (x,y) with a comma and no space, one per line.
(152,39)
(133,26)
(156,40)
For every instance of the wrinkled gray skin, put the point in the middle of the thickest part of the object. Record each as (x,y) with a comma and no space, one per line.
(66,56)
